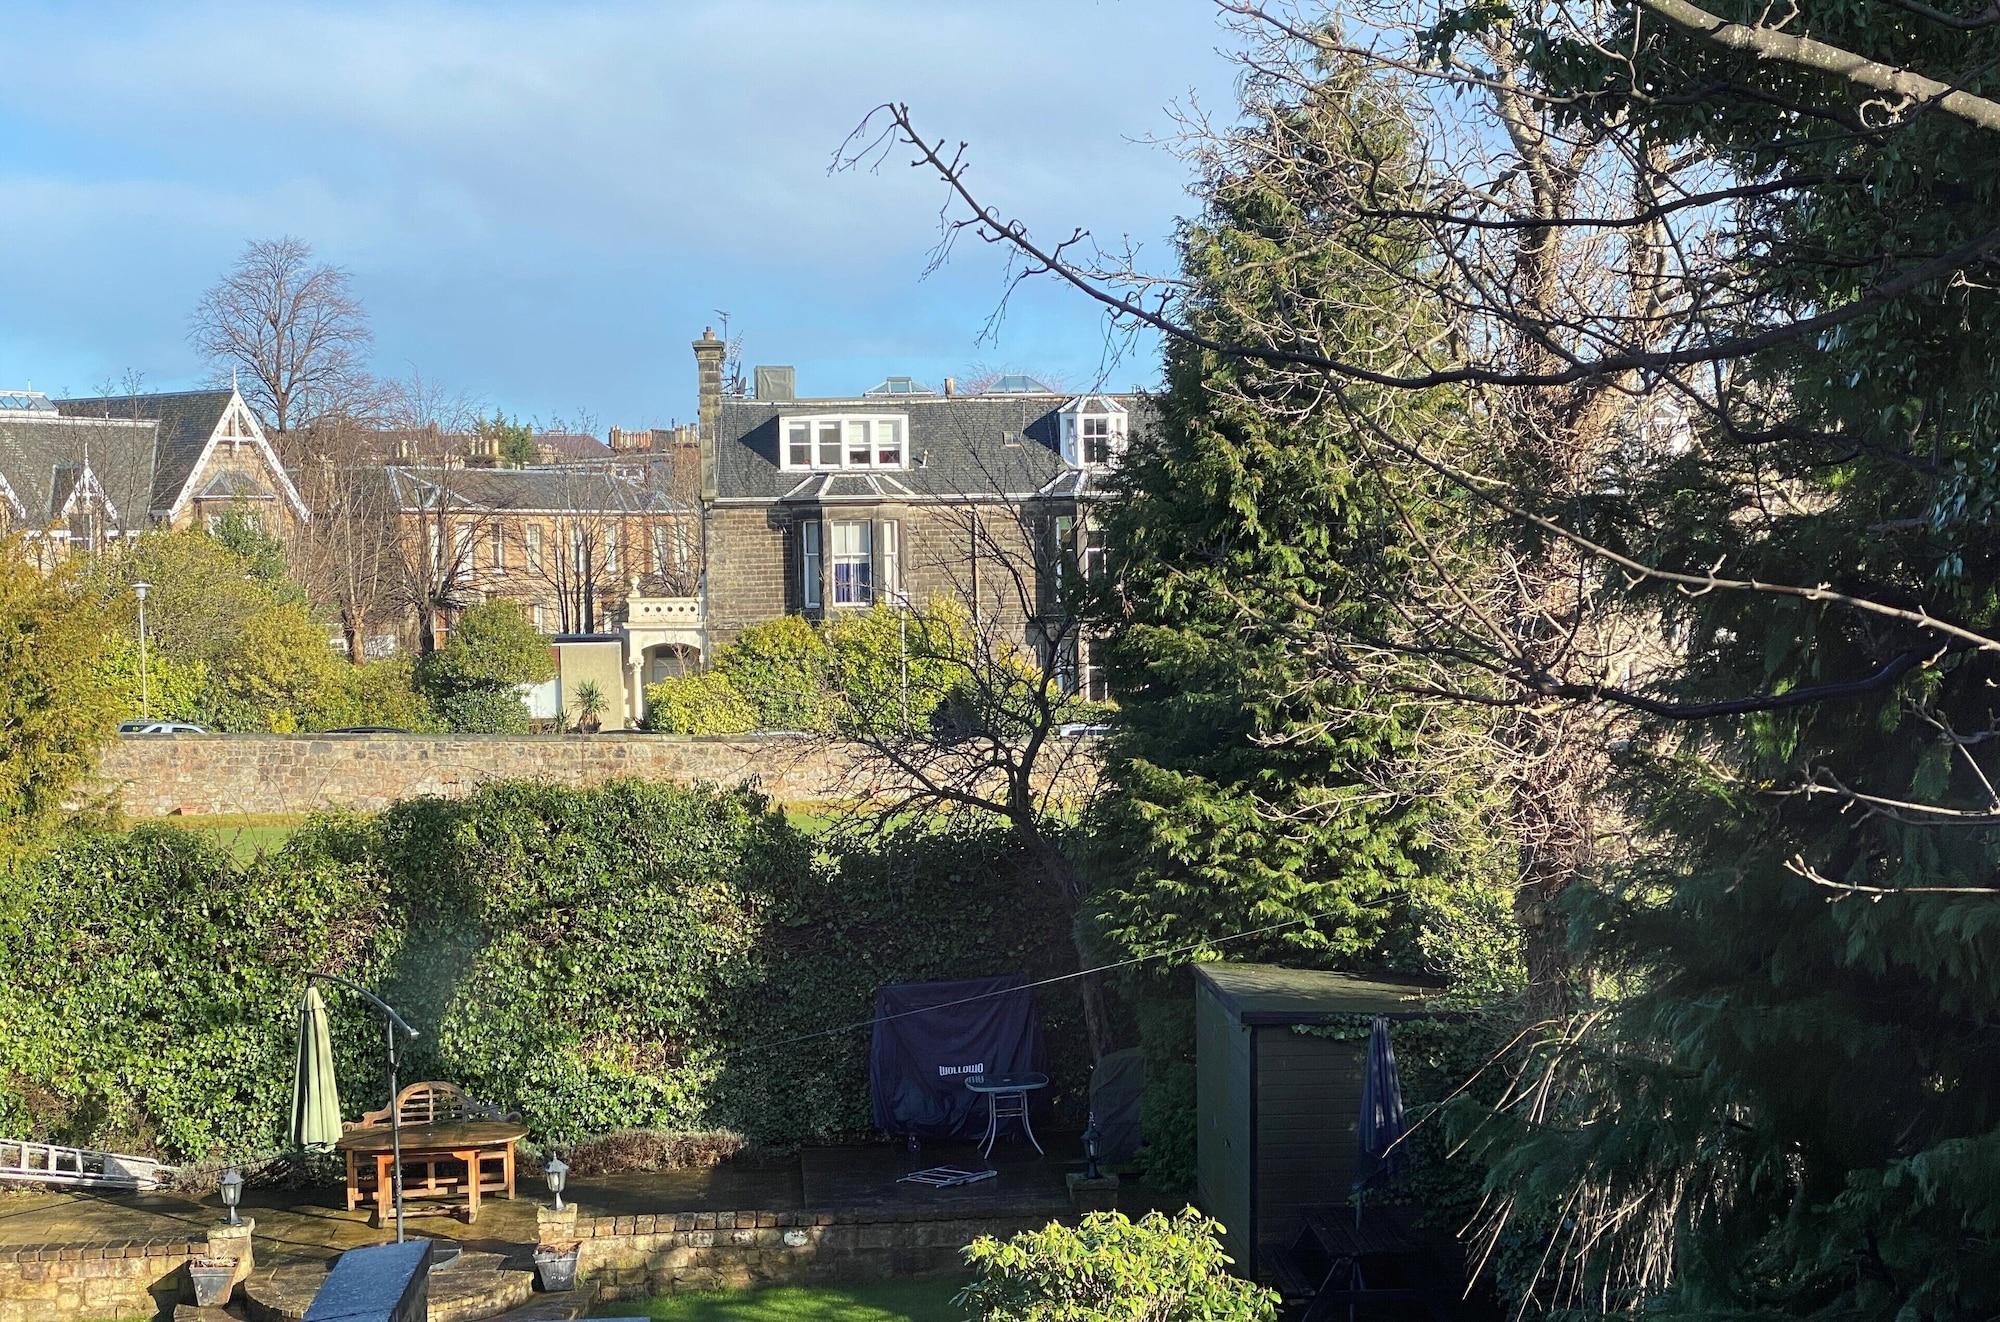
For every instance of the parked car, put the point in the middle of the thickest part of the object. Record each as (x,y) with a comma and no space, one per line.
(133,727)
(1082,729)
(163,727)
(368,729)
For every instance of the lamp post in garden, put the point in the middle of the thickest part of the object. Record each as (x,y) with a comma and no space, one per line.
(139,589)
(232,1194)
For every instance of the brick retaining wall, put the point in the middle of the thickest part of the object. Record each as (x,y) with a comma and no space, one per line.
(124,1279)
(627,1257)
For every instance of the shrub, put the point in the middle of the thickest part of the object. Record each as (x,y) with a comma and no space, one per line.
(780,668)
(631,956)
(378,693)
(869,652)
(705,703)
(484,711)
(278,673)
(1112,1269)
(56,705)
(627,1151)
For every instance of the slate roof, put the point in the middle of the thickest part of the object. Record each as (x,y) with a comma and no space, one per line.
(186,418)
(959,446)
(522,490)
(41,452)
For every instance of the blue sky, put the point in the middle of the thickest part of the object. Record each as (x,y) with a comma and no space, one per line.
(541,205)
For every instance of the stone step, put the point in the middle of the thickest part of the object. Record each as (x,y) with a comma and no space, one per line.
(476,1287)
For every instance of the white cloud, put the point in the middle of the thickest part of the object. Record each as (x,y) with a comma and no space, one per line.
(677,149)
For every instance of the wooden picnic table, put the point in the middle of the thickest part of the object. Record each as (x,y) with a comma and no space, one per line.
(484,1147)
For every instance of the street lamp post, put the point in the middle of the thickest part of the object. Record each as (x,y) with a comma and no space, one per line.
(139,590)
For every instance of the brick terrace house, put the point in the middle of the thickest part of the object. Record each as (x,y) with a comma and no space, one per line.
(901,494)
(78,474)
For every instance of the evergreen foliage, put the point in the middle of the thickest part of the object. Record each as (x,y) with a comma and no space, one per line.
(630,956)
(57,705)
(1256,785)
(474,680)
(1110,1268)
(1791,1110)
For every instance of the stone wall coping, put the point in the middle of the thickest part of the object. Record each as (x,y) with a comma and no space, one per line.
(671,1223)
(90,1249)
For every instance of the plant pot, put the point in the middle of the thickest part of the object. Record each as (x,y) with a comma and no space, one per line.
(212,1281)
(555,1266)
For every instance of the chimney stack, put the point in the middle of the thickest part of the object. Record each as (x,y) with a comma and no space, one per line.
(708,354)
(949,387)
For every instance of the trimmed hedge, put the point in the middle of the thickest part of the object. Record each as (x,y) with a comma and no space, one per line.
(630,956)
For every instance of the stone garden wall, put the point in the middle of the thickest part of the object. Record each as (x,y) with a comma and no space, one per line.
(137,1279)
(156,776)
(632,1256)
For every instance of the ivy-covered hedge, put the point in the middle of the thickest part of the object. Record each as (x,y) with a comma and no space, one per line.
(634,955)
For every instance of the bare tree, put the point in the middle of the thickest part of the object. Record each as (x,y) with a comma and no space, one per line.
(441,518)
(350,555)
(289,329)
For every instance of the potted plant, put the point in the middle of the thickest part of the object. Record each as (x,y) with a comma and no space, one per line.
(213,1278)
(589,707)
(555,1265)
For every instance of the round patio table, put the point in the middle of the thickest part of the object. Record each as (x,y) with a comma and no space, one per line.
(1006,1099)
(472,1142)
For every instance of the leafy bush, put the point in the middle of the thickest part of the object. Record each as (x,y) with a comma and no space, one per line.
(705,703)
(633,956)
(1111,1269)
(780,668)
(276,674)
(149,986)
(871,651)
(484,711)
(378,693)
(56,706)
(173,690)
(474,679)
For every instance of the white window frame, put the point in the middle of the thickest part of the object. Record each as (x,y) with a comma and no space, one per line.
(611,549)
(811,562)
(1073,415)
(830,442)
(662,539)
(499,546)
(532,544)
(858,559)
(888,538)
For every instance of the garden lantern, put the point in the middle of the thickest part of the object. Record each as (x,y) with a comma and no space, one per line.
(558,1174)
(1090,1171)
(232,1193)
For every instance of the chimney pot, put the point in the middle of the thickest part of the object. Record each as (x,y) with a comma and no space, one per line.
(949,387)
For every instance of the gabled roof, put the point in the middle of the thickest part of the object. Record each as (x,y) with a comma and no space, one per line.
(42,455)
(561,490)
(186,418)
(960,446)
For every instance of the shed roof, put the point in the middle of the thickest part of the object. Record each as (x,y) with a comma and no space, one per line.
(1267,994)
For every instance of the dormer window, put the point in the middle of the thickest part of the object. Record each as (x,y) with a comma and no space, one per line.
(1093,431)
(833,441)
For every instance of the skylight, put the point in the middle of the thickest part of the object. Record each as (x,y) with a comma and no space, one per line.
(25,401)
(1014,383)
(897,385)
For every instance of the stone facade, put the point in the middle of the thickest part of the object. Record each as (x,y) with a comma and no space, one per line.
(631,1256)
(200,774)
(102,1282)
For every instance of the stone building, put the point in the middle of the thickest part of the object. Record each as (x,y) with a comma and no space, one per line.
(900,494)
(78,474)
(572,544)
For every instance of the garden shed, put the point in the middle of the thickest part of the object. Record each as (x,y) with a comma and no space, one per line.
(1277,1110)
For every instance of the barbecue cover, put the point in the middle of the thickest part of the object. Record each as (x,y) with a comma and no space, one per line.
(931,1036)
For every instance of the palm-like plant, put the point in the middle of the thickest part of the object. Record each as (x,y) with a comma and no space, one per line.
(589,707)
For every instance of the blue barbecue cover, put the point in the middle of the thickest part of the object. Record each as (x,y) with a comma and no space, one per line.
(931,1036)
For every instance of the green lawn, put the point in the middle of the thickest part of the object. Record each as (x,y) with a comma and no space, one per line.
(893,1301)
(243,834)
